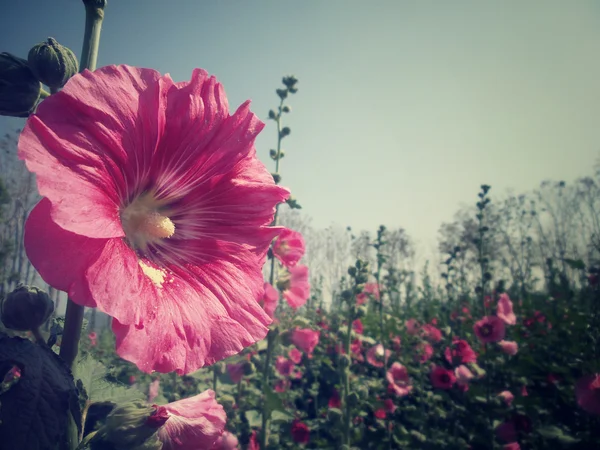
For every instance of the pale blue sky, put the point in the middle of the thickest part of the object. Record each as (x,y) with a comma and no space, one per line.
(404,107)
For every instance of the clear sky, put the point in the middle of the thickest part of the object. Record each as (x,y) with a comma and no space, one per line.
(404,107)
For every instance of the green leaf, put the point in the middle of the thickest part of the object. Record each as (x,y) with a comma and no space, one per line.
(280,417)
(575,263)
(273,401)
(254,418)
(555,433)
(91,375)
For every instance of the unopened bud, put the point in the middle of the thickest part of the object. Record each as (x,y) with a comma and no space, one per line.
(346,294)
(19,88)
(276,177)
(227,401)
(52,63)
(272,114)
(273,154)
(282,93)
(285,131)
(25,308)
(344,361)
(286,109)
(352,271)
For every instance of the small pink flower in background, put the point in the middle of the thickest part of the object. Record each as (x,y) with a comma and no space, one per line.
(227,441)
(397,343)
(269,300)
(300,432)
(389,405)
(305,339)
(335,401)
(282,385)
(504,310)
(587,391)
(372,289)
(361,298)
(132,379)
(511,446)
(296,286)
(356,349)
(442,378)
(424,352)
(376,356)
(358,326)
(93,338)
(460,353)
(431,333)
(236,371)
(490,329)
(509,347)
(380,413)
(192,423)
(507,396)
(284,366)
(507,431)
(253,444)
(412,327)
(153,390)
(524,392)
(295,355)
(399,382)
(463,377)
(156,211)
(289,247)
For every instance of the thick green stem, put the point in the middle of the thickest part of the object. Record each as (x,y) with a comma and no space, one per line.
(72,332)
(94,14)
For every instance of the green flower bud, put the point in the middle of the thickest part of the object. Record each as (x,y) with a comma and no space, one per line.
(19,88)
(352,399)
(344,361)
(276,178)
(352,271)
(282,93)
(335,415)
(286,109)
(363,392)
(346,294)
(285,131)
(273,154)
(52,63)
(25,308)
(289,81)
(131,426)
(227,401)
(272,114)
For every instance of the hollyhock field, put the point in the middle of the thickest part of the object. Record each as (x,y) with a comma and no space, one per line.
(162,289)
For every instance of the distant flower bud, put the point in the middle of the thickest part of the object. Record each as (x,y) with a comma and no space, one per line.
(220,368)
(25,308)
(346,294)
(276,178)
(273,154)
(286,109)
(227,401)
(282,93)
(293,90)
(52,63)
(289,81)
(272,115)
(281,154)
(285,131)
(344,361)
(353,398)
(352,271)
(19,89)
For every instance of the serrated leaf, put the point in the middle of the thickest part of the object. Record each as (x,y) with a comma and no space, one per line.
(92,375)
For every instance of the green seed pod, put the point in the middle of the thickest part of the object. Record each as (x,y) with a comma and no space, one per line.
(52,63)
(19,88)
(25,308)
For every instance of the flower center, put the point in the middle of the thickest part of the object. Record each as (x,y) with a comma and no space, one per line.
(144,223)
(486,330)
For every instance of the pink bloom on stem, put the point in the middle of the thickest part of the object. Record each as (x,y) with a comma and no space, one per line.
(192,423)
(227,441)
(507,396)
(397,342)
(389,406)
(93,338)
(300,432)
(442,378)
(431,333)
(399,382)
(587,391)
(504,310)
(236,371)
(372,289)
(412,327)
(296,286)
(305,339)
(361,298)
(335,400)
(376,356)
(289,247)
(282,385)
(156,211)
(460,353)
(509,347)
(253,444)
(269,300)
(358,326)
(295,355)
(489,329)
(463,377)
(524,392)
(380,413)
(284,366)
(424,352)
(153,390)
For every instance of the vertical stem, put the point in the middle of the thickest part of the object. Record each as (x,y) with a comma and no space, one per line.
(94,14)
(72,332)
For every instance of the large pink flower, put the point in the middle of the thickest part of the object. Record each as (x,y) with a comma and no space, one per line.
(460,353)
(442,378)
(587,391)
(399,382)
(192,423)
(289,247)
(489,329)
(305,339)
(296,286)
(156,211)
(504,310)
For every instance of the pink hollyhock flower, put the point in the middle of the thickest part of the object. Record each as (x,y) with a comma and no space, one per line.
(296,286)
(300,432)
(192,423)
(153,390)
(253,444)
(509,347)
(334,400)
(289,247)
(236,371)
(227,441)
(489,329)
(156,211)
(358,326)
(282,385)
(380,413)
(295,355)
(269,300)
(463,377)
(507,396)
(442,378)
(361,298)
(505,310)
(511,446)
(412,327)
(305,339)
(372,289)
(376,356)
(460,353)
(284,366)
(399,382)
(587,391)
(431,333)
(424,352)
(356,349)
(397,343)
(524,392)
(93,337)
(389,406)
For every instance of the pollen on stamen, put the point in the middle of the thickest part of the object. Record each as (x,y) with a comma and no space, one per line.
(158,226)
